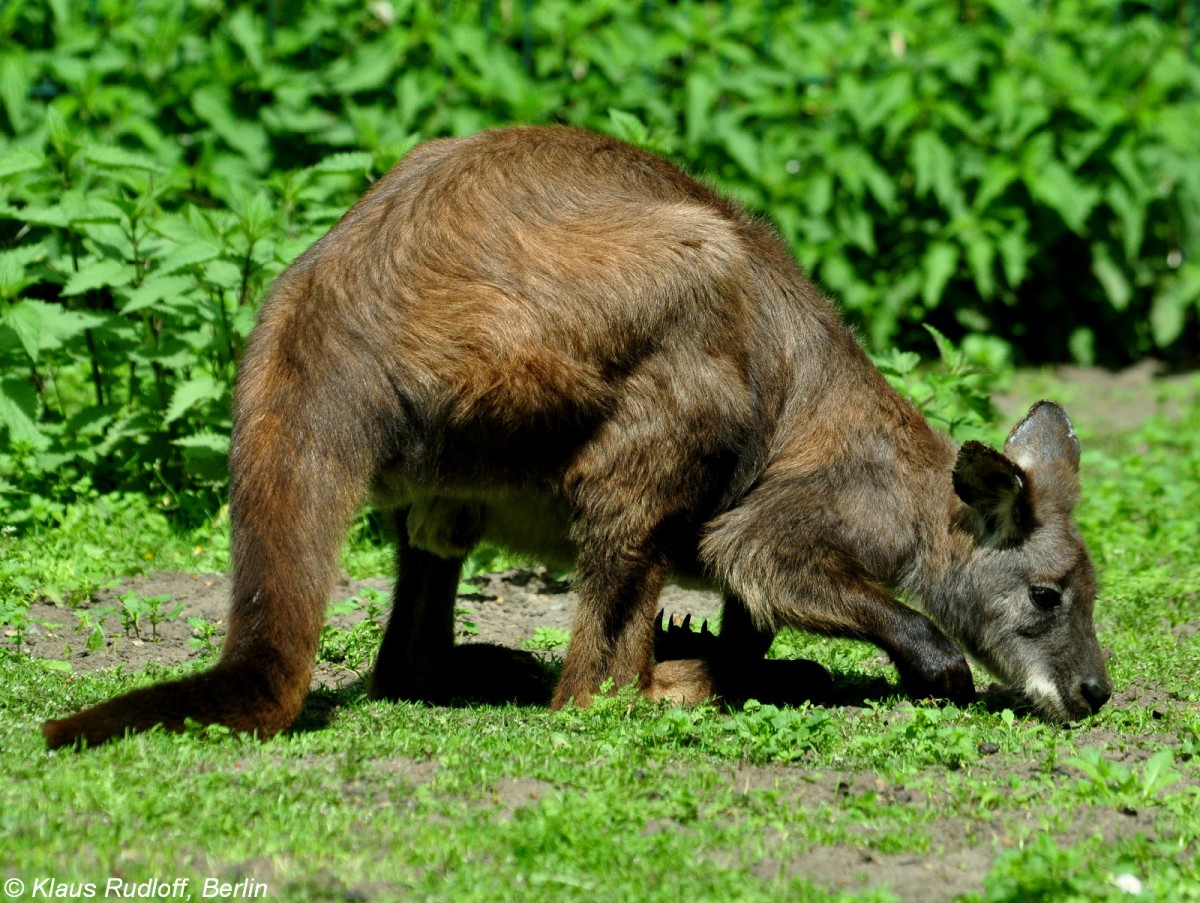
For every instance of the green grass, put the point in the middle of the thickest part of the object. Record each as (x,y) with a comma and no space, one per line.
(72,551)
(505,803)
(627,800)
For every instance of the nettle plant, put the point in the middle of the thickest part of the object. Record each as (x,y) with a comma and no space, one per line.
(1025,171)
(125,311)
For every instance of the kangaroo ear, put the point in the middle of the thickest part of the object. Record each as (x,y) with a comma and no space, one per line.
(996,490)
(1044,444)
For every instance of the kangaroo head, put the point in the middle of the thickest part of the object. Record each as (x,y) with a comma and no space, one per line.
(1029,584)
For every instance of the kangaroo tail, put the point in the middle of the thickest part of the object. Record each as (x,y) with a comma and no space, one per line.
(245,698)
(306,440)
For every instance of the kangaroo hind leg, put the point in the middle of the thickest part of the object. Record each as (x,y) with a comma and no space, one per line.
(418,658)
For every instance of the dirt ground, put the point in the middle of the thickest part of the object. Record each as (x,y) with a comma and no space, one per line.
(507,608)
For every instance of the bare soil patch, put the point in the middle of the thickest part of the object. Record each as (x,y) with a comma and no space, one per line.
(506,609)
(1105,402)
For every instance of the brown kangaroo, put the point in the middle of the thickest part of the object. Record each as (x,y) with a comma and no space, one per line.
(550,340)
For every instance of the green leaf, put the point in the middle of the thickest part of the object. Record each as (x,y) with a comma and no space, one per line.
(628,127)
(14,268)
(16,71)
(700,91)
(1082,345)
(99,274)
(190,393)
(222,274)
(981,255)
(1166,318)
(73,208)
(351,164)
(743,148)
(368,67)
(43,215)
(248,138)
(941,261)
(217,443)
(256,213)
(186,255)
(243,320)
(18,160)
(90,422)
(1169,308)
(19,407)
(246,31)
(883,189)
(947,353)
(1131,212)
(109,157)
(1111,277)
(1159,774)
(856,225)
(206,455)
(155,289)
(59,132)
(933,163)
(1052,184)
(44,327)
(897,362)
(999,175)
(1014,255)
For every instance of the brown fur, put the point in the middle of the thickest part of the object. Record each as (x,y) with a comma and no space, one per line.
(549,339)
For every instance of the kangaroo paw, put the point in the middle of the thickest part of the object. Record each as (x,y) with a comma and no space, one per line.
(684,682)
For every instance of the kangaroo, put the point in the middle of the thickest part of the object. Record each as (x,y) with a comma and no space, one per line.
(553,341)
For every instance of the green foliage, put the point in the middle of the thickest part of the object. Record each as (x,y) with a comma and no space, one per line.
(772,734)
(70,551)
(956,392)
(204,634)
(92,621)
(134,607)
(1116,784)
(1041,871)
(1026,172)
(549,639)
(354,647)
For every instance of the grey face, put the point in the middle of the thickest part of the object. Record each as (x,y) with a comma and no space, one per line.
(1029,589)
(1036,633)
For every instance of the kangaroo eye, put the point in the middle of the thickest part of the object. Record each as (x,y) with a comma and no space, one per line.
(1046,597)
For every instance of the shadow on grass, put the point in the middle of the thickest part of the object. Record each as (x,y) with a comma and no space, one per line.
(783,683)
(478,679)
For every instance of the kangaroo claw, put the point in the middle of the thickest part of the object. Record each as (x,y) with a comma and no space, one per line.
(674,637)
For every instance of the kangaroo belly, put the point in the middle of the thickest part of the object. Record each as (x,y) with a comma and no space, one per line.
(451,522)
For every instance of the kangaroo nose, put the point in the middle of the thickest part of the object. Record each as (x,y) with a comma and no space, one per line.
(1095,692)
